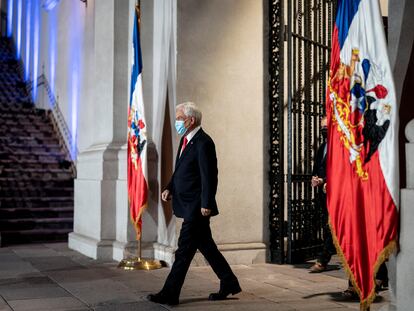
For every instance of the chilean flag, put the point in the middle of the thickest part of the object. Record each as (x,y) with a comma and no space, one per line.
(362,159)
(137,138)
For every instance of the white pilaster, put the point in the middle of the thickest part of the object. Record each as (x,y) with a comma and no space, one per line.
(98,166)
(405,258)
(400,40)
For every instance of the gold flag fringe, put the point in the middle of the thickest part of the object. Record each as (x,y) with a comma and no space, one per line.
(383,256)
(135,221)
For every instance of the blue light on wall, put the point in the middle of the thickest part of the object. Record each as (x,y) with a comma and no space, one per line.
(28,35)
(75,63)
(19,29)
(52,49)
(10,18)
(49,5)
(36,32)
(74,105)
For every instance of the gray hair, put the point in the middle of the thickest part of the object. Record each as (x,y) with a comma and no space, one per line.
(191,110)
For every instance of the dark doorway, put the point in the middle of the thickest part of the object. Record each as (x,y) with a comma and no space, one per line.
(300,39)
(166,159)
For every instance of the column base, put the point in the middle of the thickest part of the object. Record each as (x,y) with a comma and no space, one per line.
(90,247)
(390,307)
(123,250)
(164,253)
(235,254)
(405,258)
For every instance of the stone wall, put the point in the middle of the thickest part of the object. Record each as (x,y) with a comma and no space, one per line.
(221,67)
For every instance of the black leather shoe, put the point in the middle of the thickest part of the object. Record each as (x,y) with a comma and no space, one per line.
(350,294)
(163,299)
(224,292)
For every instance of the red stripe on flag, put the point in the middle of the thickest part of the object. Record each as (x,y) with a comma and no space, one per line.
(335,51)
(137,192)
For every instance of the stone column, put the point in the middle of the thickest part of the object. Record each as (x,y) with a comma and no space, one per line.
(123,23)
(97,183)
(400,40)
(405,258)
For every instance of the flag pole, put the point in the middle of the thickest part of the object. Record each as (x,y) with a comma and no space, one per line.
(139,248)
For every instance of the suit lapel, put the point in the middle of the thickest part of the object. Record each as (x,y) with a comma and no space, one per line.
(187,148)
(177,158)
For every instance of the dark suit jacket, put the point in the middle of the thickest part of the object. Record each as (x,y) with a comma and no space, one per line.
(319,166)
(319,169)
(193,184)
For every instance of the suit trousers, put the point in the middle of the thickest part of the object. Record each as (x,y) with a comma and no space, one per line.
(196,234)
(328,247)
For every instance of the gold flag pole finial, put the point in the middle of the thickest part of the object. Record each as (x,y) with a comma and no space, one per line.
(138,9)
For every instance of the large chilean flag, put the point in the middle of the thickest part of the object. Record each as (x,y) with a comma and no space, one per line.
(137,137)
(362,162)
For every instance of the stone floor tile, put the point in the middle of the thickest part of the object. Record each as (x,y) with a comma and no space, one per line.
(140,281)
(59,247)
(9,257)
(33,246)
(37,292)
(309,305)
(245,303)
(28,288)
(135,306)
(46,304)
(268,291)
(54,263)
(4,306)
(17,268)
(25,252)
(5,250)
(202,286)
(82,274)
(101,292)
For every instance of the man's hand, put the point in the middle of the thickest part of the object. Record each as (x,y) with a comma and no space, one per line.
(316,181)
(205,211)
(166,195)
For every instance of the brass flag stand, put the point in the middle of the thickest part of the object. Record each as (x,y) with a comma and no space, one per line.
(139,263)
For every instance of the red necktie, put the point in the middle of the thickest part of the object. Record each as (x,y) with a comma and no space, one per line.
(184,144)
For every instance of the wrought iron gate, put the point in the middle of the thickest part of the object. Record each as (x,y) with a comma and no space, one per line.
(299,42)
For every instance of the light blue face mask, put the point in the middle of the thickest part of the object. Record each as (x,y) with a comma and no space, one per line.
(180,127)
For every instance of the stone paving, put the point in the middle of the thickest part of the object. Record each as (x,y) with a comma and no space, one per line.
(52,277)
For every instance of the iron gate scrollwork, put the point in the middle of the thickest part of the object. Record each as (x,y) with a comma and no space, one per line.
(276,122)
(299,64)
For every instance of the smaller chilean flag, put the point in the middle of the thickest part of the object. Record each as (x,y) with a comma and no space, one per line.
(362,159)
(137,138)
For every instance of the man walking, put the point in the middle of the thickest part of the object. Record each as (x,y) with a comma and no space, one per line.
(319,181)
(193,189)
